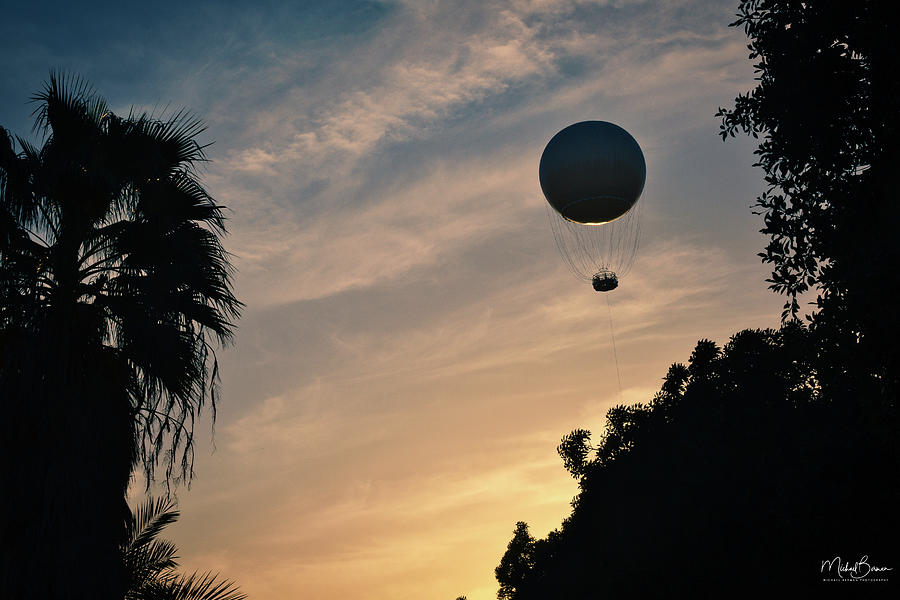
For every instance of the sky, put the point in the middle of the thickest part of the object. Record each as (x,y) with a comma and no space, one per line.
(413,347)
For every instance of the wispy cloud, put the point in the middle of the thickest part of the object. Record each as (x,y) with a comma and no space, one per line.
(440,72)
(413,347)
(323,223)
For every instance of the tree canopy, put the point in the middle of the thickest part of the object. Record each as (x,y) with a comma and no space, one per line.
(827,112)
(740,471)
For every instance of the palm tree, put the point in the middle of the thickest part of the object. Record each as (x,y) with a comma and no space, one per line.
(150,563)
(114,286)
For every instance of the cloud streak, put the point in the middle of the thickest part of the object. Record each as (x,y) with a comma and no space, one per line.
(413,348)
(354,227)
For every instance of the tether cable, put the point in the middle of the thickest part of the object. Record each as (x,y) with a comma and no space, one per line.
(613,336)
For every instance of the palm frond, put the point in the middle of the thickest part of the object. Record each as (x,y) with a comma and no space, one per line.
(65,99)
(108,219)
(196,586)
(150,519)
(178,199)
(19,196)
(150,563)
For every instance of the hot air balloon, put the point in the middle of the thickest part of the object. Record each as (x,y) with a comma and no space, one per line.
(592,174)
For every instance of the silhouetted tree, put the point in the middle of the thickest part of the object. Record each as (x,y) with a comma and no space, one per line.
(113,286)
(151,563)
(827,109)
(741,473)
(516,563)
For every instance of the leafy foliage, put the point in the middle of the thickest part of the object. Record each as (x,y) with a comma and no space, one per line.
(517,562)
(741,469)
(827,111)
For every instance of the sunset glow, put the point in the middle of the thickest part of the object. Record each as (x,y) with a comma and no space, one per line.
(413,347)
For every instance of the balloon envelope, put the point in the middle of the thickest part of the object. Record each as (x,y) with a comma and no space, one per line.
(592,172)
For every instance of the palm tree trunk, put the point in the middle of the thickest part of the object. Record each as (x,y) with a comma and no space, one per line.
(68,454)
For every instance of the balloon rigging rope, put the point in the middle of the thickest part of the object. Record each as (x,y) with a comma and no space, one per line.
(587,249)
(613,336)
